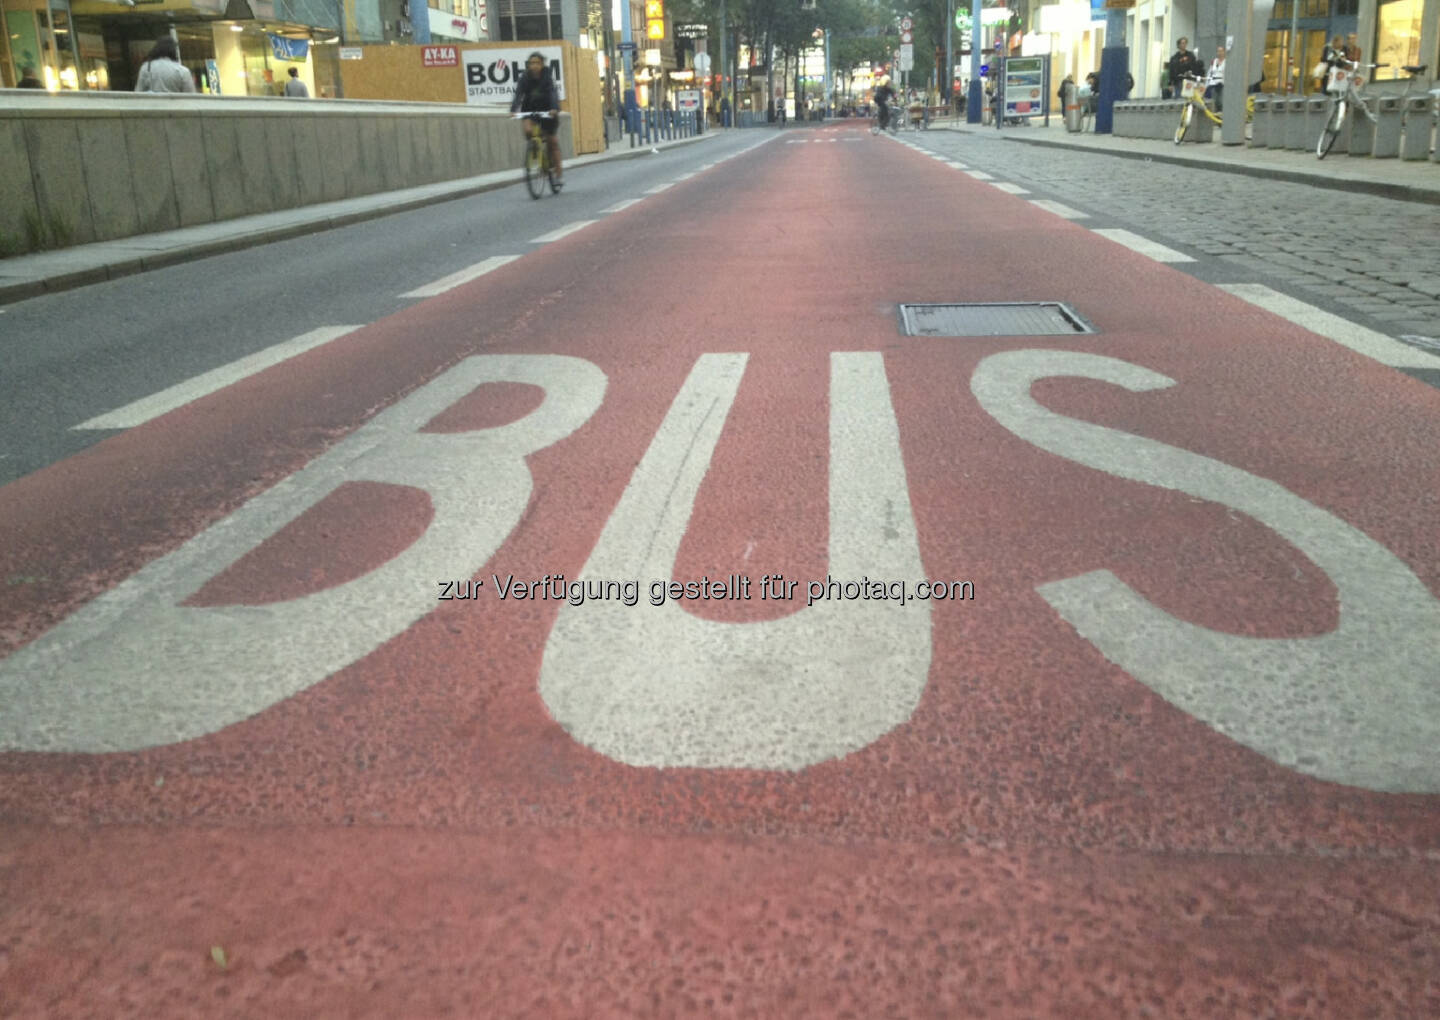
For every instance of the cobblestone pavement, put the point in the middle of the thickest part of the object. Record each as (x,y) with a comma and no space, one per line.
(1373,260)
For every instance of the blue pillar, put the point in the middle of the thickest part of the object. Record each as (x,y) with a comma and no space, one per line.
(1114,65)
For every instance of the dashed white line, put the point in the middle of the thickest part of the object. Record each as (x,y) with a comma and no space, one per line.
(454,280)
(626,204)
(1013,189)
(167,400)
(957,166)
(979,175)
(1063,211)
(660,187)
(1364,341)
(560,232)
(1142,245)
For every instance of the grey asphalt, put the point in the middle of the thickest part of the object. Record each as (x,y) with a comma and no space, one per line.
(71,355)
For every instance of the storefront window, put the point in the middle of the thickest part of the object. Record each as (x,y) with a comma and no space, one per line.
(1397,41)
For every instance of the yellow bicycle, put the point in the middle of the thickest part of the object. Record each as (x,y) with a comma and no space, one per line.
(1193,92)
(538,168)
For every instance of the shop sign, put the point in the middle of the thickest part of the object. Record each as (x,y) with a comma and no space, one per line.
(351,53)
(292,50)
(452,26)
(490,75)
(440,56)
(692,31)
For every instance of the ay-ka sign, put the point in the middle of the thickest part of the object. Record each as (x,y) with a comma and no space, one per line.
(491,75)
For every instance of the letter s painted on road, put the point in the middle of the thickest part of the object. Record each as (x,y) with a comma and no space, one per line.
(1360,705)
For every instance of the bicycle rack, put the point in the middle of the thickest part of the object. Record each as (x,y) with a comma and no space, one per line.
(1419,122)
(1260,126)
(1387,131)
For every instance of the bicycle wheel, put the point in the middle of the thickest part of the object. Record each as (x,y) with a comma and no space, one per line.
(1331,131)
(533,171)
(1186,116)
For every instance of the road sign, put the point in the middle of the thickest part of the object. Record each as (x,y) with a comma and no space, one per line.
(907,57)
(962,19)
(702,64)
(626,47)
(906,38)
(906,24)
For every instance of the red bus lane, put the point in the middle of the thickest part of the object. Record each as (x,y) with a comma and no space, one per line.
(1165,742)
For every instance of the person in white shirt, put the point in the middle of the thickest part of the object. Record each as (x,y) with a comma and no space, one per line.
(295,87)
(162,70)
(1215,80)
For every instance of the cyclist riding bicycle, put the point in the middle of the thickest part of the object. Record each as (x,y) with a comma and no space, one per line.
(883,95)
(535,93)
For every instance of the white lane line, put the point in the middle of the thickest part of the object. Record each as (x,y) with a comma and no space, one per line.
(1063,211)
(979,175)
(564,231)
(454,280)
(852,139)
(660,187)
(957,166)
(684,177)
(1006,186)
(1142,245)
(626,204)
(1364,341)
(167,400)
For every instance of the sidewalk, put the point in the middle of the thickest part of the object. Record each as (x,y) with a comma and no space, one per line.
(26,276)
(1411,181)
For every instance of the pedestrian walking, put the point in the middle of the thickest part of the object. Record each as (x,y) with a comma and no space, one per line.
(295,88)
(1215,80)
(162,70)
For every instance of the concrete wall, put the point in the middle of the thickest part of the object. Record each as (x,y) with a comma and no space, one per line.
(100,166)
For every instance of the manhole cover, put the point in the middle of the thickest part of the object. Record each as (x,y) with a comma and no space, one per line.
(1015,318)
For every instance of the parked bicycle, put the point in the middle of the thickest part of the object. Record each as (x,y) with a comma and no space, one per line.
(1192,90)
(538,168)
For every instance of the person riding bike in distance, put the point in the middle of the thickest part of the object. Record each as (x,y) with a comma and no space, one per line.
(883,95)
(535,92)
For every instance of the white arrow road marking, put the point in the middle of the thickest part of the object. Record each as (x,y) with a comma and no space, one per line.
(213,381)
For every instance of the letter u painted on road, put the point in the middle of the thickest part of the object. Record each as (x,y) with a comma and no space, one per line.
(661,687)
(1360,705)
(135,668)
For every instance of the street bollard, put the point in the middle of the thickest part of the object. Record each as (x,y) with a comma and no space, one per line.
(1260,126)
(1435,126)
(1296,136)
(1387,131)
(1419,123)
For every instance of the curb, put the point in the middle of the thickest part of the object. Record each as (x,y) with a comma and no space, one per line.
(131,264)
(1402,192)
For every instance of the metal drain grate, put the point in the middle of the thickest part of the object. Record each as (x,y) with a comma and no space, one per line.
(1015,318)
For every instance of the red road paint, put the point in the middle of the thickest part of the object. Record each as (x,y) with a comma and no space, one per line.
(1044,837)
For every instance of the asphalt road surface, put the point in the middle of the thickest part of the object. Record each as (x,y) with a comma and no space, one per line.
(601,606)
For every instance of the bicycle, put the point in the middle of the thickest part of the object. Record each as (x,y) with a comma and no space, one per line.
(1343,85)
(887,115)
(1193,92)
(538,169)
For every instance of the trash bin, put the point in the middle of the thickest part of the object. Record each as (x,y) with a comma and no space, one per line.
(1074,114)
(1387,131)
(1260,126)
(1296,136)
(1419,123)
